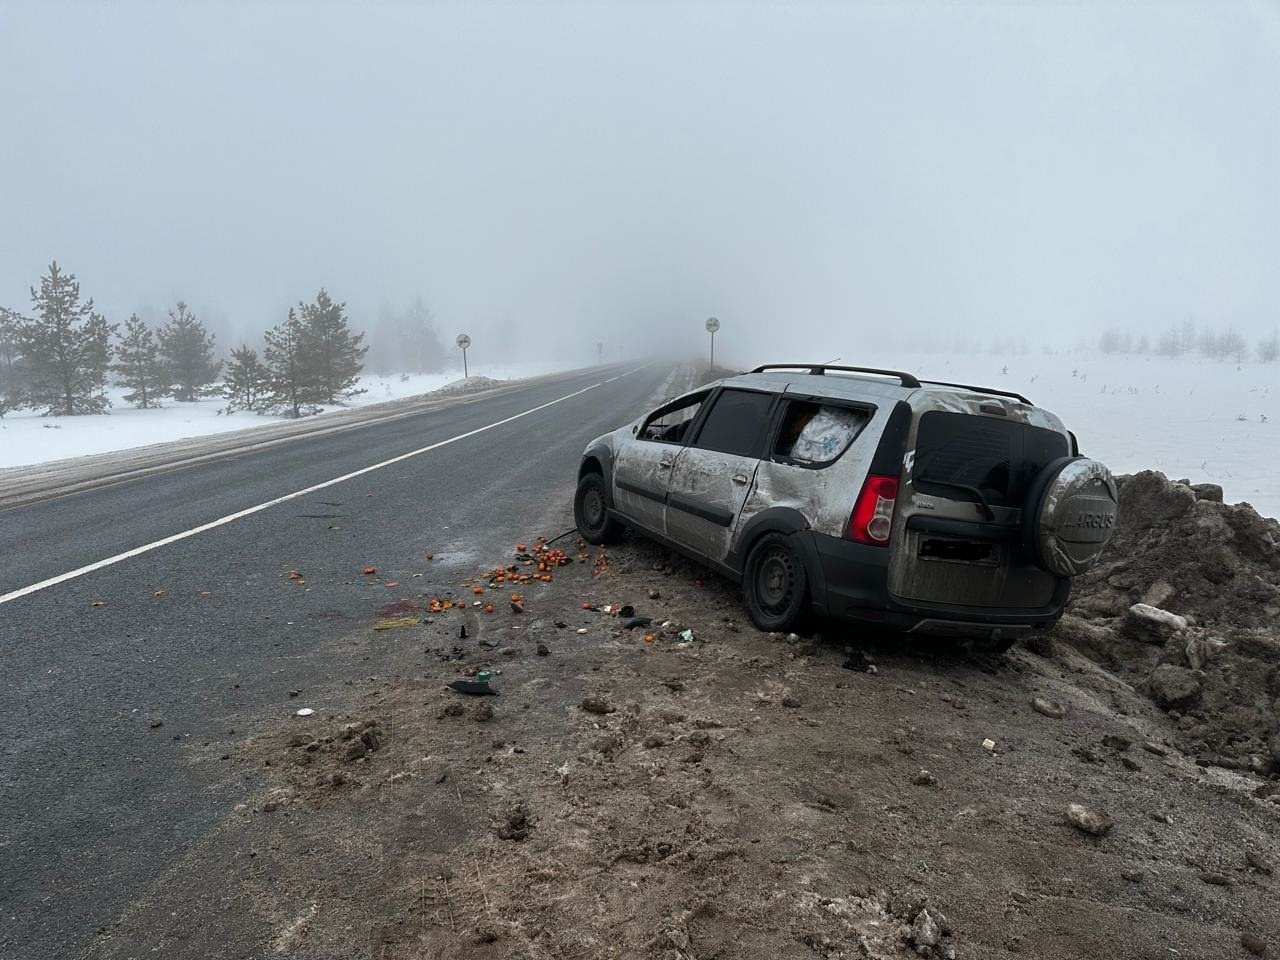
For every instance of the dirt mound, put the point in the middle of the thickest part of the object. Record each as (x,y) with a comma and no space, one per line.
(1186,605)
(1178,548)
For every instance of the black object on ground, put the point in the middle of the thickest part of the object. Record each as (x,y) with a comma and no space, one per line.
(473,688)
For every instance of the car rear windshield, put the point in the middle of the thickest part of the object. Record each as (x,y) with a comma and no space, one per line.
(1000,458)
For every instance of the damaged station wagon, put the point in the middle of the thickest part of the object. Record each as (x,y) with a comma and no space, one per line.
(861,494)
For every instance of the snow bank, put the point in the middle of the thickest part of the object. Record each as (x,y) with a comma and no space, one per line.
(27,438)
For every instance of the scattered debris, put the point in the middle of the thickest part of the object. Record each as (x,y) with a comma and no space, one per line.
(480,687)
(396,623)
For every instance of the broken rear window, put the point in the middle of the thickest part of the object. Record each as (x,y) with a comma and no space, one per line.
(999,458)
(814,434)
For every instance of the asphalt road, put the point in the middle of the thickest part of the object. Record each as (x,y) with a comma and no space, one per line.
(96,801)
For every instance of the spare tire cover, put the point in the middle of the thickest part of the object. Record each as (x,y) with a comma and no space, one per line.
(1070,515)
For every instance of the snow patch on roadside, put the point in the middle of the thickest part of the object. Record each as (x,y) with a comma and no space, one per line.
(27,438)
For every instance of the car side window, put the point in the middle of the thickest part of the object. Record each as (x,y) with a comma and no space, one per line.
(668,424)
(737,423)
(816,434)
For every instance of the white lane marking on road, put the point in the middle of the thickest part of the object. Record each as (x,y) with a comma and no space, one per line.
(240,514)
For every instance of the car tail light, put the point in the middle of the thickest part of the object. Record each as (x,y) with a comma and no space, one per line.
(872,520)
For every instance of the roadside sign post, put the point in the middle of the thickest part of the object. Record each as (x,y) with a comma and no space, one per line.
(463,342)
(712,326)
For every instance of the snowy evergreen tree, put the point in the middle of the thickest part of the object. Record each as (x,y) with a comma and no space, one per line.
(287,386)
(332,356)
(65,347)
(247,380)
(138,365)
(186,350)
(11,365)
(9,325)
(98,334)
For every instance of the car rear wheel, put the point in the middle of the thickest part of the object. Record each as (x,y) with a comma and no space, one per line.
(591,512)
(775,585)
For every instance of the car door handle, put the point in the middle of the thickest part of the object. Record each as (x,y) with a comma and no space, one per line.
(665,464)
(739,479)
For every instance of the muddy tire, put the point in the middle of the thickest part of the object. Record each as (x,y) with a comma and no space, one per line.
(1069,516)
(591,511)
(775,585)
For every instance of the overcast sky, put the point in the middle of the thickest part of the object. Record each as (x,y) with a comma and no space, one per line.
(546,176)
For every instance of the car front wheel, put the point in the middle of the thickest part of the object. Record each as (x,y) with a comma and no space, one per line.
(591,512)
(775,585)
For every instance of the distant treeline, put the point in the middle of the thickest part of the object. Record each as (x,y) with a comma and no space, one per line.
(1185,340)
(61,357)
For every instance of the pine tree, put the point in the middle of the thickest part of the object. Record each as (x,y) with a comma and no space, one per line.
(186,349)
(66,348)
(286,372)
(332,356)
(11,366)
(138,364)
(9,324)
(98,334)
(247,380)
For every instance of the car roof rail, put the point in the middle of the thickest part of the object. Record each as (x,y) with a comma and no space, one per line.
(991,390)
(819,369)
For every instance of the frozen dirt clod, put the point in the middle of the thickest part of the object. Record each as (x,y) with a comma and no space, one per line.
(1173,687)
(1153,624)
(1089,820)
(1200,651)
(597,705)
(1049,708)
(1213,555)
(1254,944)
(930,935)
(1180,553)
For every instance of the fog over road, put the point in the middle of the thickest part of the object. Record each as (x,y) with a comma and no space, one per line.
(201,631)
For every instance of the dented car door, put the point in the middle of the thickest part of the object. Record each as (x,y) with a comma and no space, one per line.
(643,463)
(713,475)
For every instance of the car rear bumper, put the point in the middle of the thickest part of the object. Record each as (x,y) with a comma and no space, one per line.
(850,581)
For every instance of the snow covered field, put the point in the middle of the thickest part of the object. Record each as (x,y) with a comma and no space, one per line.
(26,437)
(1188,417)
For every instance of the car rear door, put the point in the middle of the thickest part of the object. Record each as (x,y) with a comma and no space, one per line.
(642,464)
(713,475)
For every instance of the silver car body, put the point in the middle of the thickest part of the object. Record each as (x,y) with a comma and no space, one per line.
(702,501)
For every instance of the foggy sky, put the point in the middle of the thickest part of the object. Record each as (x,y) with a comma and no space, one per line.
(546,176)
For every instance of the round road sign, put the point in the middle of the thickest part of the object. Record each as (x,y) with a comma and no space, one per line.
(712,325)
(463,341)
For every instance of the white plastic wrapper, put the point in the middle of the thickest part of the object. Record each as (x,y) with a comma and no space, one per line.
(826,435)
